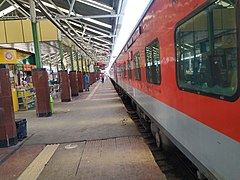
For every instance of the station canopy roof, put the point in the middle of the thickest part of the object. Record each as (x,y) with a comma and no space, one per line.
(92,25)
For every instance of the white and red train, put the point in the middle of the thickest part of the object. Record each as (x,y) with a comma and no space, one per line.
(181,68)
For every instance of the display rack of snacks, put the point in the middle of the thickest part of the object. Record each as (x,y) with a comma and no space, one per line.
(26,99)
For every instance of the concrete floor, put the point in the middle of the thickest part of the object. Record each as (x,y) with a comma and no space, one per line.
(92,137)
(87,117)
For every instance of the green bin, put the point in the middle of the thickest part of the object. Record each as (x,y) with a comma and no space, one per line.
(52,104)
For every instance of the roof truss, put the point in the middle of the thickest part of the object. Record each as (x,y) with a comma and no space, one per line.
(90,24)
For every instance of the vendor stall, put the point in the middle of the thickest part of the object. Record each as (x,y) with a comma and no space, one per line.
(20,65)
(26,98)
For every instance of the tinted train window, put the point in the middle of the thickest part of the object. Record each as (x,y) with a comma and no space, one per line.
(129,70)
(153,62)
(124,70)
(206,50)
(137,70)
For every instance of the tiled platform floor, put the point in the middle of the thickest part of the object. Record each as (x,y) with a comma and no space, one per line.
(90,141)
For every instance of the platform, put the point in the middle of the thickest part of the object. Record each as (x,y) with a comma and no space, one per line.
(91,137)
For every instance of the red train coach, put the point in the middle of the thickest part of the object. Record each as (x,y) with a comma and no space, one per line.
(181,68)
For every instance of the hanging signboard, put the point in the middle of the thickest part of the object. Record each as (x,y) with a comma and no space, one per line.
(28,67)
(8,56)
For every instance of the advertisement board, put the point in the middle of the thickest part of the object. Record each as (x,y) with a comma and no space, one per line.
(8,56)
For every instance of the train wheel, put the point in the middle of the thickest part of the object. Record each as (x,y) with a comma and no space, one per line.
(158,140)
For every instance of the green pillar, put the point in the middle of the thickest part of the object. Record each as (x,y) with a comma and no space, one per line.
(50,65)
(88,65)
(85,62)
(78,69)
(82,63)
(35,34)
(61,54)
(95,69)
(57,67)
(71,59)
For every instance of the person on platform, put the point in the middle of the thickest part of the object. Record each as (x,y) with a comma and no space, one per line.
(102,78)
(87,80)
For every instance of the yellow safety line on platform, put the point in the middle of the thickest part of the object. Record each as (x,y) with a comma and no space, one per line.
(36,167)
(94,90)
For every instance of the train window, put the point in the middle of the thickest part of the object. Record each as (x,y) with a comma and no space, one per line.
(129,70)
(137,70)
(124,70)
(153,70)
(206,50)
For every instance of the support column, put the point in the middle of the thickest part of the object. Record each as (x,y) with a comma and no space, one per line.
(61,54)
(40,82)
(8,135)
(36,45)
(39,75)
(57,73)
(73,77)
(83,71)
(80,81)
(85,63)
(95,72)
(92,73)
(71,58)
(82,63)
(76,54)
(88,65)
(60,46)
(91,78)
(65,86)
(79,74)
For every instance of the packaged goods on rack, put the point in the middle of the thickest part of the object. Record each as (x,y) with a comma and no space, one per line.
(26,98)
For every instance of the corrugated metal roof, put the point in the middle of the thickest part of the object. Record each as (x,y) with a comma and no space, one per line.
(94,24)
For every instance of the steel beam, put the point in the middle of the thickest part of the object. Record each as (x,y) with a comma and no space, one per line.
(49,16)
(91,26)
(85,17)
(68,24)
(96,5)
(18,8)
(2,3)
(71,8)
